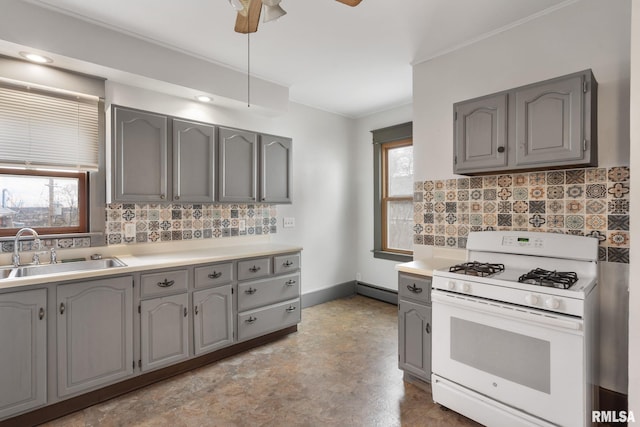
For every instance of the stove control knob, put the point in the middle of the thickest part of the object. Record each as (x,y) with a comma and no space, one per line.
(451,285)
(531,299)
(552,303)
(466,287)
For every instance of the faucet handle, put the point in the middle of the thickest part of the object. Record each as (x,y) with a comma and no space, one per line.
(53,256)
(36,258)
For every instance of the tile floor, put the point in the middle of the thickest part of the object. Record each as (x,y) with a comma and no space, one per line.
(339,369)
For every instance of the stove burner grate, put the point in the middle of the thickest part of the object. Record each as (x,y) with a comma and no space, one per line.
(475,268)
(557,279)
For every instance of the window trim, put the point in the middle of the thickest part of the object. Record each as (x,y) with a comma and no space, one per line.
(83,202)
(385,198)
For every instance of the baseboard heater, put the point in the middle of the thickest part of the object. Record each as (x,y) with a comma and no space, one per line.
(376,292)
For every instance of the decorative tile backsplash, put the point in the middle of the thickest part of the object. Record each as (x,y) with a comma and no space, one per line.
(168,222)
(586,202)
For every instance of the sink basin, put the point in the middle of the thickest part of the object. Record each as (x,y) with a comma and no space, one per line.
(64,267)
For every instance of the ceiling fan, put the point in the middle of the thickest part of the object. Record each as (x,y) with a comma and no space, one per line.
(249,12)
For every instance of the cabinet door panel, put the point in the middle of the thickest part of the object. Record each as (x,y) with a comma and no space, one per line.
(549,123)
(23,354)
(213,319)
(414,339)
(95,333)
(238,151)
(275,169)
(140,156)
(165,331)
(480,134)
(193,161)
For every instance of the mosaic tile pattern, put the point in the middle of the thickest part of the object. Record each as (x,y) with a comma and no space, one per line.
(170,222)
(586,202)
(47,244)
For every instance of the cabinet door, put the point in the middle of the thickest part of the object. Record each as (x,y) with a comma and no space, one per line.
(237,165)
(480,134)
(193,161)
(414,339)
(23,353)
(213,319)
(140,156)
(549,123)
(95,333)
(165,331)
(275,169)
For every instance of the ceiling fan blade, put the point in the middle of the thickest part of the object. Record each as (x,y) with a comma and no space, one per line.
(351,3)
(249,23)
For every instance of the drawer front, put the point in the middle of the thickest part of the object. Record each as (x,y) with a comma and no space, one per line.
(268,291)
(213,275)
(414,287)
(286,263)
(164,283)
(272,318)
(254,268)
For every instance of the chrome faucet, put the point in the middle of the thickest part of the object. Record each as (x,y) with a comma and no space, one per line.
(16,244)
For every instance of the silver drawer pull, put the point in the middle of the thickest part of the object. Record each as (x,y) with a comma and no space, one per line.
(287,264)
(250,291)
(413,288)
(254,269)
(290,309)
(166,283)
(251,319)
(290,282)
(215,274)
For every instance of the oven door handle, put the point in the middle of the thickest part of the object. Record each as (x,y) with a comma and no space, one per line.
(503,310)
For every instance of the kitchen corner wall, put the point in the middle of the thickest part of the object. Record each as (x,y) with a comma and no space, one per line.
(585,202)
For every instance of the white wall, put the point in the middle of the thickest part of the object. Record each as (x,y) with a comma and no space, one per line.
(323,194)
(373,271)
(587,34)
(634,285)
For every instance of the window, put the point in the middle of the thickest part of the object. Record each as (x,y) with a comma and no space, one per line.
(393,192)
(49,202)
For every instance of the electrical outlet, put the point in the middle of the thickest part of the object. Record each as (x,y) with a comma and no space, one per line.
(288,222)
(129,231)
(242,225)
(358,277)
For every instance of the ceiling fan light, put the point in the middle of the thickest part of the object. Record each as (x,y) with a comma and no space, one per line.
(237,5)
(271,13)
(271,2)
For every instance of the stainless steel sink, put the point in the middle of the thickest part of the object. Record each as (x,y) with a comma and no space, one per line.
(63,267)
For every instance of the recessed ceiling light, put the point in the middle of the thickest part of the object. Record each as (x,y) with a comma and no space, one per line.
(34,57)
(203,98)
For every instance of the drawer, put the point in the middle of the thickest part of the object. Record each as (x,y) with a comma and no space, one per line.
(268,291)
(254,268)
(213,275)
(268,319)
(164,283)
(286,263)
(414,287)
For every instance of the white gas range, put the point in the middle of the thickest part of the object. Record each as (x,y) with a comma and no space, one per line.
(515,329)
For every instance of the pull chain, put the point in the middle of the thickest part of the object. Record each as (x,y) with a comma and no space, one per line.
(248,66)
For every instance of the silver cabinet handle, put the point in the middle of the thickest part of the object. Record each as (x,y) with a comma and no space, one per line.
(251,319)
(287,264)
(41,313)
(166,283)
(215,274)
(185,312)
(254,269)
(176,198)
(162,196)
(290,282)
(290,309)
(413,288)
(61,308)
(250,291)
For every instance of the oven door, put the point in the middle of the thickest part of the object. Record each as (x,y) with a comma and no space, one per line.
(530,360)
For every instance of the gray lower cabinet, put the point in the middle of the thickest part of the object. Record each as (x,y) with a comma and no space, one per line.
(193,161)
(212,318)
(550,124)
(237,165)
(23,353)
(164,331)
(275,169)
(94,333)
(414,325)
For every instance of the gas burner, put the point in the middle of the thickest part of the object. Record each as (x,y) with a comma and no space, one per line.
(557,279)
(475,268)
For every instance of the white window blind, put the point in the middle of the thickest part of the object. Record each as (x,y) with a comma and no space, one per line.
(39,129)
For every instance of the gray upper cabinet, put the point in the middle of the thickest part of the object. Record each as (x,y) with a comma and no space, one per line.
(275,169)
(23,355)
(193,161)
(481,133)
(550,124)
(237,165)
(139,156)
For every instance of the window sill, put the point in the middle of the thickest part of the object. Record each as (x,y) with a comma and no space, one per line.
(392,256)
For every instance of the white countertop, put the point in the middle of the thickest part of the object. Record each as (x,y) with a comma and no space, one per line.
(424,266)
(140,261)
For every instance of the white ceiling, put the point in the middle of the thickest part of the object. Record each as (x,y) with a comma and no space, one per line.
(349,61)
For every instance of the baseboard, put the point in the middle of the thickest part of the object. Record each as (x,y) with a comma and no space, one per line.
(341,290)
(376,292)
